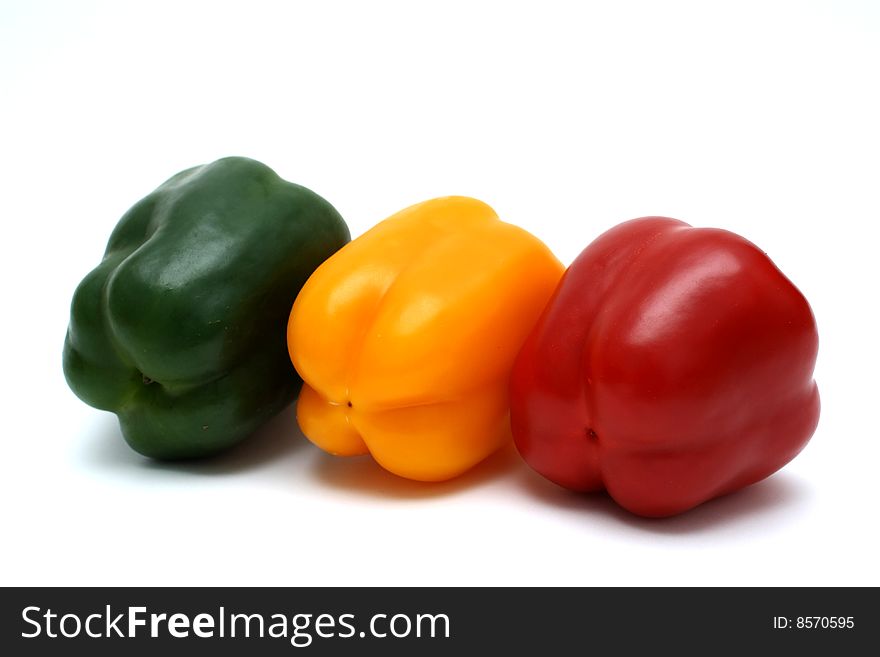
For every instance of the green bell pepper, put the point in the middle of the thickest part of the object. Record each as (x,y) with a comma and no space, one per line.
(181,330)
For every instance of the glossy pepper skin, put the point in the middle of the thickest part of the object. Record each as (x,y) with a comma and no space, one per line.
(405,338)
(180,329)
(672,365)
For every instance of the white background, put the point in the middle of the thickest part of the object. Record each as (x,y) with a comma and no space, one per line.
(566,117)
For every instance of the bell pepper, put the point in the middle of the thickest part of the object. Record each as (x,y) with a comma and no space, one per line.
(405,338)
(672,365)
(180,329)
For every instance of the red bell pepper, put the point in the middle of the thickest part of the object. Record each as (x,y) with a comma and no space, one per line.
(672,365)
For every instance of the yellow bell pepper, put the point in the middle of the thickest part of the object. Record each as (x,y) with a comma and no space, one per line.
(405,338)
